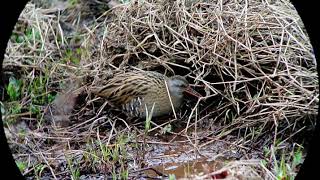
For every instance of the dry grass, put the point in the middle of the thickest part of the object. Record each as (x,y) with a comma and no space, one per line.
(252,61)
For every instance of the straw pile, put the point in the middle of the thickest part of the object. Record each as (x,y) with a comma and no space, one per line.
(254,58)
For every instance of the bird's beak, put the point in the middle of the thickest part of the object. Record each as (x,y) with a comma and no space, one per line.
(191,91)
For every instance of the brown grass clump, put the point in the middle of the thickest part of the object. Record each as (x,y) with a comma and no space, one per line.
(251,60)
(254,59)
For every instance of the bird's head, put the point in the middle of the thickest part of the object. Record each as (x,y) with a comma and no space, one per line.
(177,85)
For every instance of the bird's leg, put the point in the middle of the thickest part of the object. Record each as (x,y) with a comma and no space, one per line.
(130,119)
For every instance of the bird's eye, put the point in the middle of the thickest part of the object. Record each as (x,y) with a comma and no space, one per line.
(183,85)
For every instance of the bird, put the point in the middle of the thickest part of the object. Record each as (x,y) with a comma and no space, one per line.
(138,92)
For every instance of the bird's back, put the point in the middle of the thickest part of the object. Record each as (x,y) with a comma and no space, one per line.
(133,91)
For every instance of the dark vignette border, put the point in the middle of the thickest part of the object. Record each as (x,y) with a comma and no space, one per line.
(309,13)
(10,11)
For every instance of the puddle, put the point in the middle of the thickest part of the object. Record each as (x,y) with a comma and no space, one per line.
(178,160)
(186,169)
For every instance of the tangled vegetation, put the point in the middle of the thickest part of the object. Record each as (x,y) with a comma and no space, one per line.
(251,60)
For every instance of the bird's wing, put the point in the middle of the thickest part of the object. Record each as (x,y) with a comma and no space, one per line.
(123,88)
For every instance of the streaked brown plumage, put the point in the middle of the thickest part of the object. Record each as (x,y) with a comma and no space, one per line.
(134,91)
